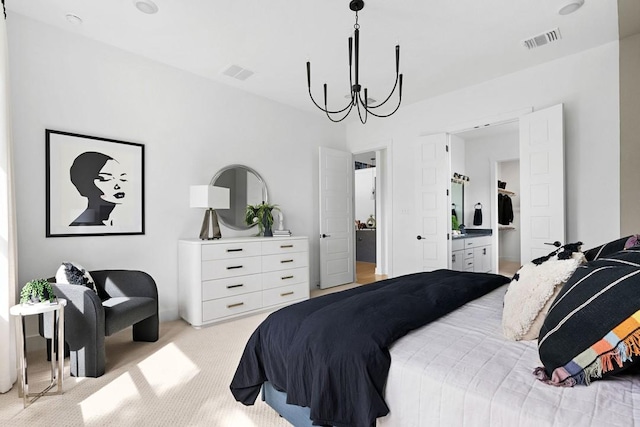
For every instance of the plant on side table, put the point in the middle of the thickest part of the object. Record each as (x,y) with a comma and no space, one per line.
(36,291)
(262,215)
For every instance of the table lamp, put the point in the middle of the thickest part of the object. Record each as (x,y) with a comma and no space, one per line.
(209,197)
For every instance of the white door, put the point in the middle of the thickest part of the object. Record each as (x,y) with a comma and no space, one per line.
(337,229)
(541,182)
(433,202)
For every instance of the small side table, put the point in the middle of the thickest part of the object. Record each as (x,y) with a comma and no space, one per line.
(21,311)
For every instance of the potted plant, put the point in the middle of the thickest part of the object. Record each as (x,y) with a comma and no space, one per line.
(262,215)
(35,291)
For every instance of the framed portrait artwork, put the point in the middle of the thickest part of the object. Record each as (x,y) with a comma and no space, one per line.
(95,186)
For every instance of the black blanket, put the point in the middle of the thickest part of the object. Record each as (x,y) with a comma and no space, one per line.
(331,353)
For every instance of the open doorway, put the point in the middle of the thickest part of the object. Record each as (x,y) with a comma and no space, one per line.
(508,215)
(488,157)
(367,215)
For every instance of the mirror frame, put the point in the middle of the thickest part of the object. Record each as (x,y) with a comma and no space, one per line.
(265,193)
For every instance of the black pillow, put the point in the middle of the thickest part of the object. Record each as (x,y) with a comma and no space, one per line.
(592,329)
(606,249)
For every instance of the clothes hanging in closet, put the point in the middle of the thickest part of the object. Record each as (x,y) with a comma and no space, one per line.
(505,209)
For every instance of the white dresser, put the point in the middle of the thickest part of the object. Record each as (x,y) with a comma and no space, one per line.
(227,278)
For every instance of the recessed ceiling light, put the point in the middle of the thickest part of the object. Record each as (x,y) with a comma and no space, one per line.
(74,19)
(146,6)
(569,6)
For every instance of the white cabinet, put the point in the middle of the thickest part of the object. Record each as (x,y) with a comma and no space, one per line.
(471,254)
(227,278)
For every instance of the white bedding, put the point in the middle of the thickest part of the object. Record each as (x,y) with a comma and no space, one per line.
(460,371)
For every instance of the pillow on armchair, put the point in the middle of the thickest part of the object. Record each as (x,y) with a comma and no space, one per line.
(74,274)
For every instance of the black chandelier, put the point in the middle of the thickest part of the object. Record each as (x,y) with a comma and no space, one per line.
(356,97)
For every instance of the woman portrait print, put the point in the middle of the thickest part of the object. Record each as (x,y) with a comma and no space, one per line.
(102,180)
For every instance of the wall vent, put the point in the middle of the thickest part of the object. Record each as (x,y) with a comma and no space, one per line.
(237,72)
(542,39)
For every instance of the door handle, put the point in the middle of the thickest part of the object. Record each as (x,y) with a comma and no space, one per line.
(325,235)
(419,237)
(557,244)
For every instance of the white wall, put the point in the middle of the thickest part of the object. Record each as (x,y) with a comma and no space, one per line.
(587,84)
(191,127)
(629,131)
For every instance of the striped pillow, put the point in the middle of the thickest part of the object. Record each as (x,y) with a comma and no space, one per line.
(592,329)
(606,249)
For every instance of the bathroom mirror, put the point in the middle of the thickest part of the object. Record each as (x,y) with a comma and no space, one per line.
(246,187)
(457,200)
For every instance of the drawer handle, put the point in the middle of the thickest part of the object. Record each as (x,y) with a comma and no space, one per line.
(285,261)
(235,286)
(238,304)
(286,246)
(286,294)
(234,250)
(469,263)
(286,277)
(234,267)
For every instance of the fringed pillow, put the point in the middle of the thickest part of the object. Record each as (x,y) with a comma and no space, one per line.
(592,329)
(532,289)
(74,274)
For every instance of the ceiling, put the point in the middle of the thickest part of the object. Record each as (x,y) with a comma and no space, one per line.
(445,45)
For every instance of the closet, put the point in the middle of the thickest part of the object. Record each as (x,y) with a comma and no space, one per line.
(479,155)
(535,139)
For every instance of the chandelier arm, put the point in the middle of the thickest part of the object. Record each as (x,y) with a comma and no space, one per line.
(343,117)
(360,113)
(326,110)
(387,115)
(395,84)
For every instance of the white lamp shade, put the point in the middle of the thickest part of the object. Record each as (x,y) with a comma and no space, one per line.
(208,196)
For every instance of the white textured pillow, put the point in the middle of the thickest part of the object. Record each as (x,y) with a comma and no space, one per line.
(530,292)
(74,274)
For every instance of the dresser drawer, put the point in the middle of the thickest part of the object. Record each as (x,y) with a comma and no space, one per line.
(285,246)
(230,250)
(219,269)
(224,307)
(275,279)
(468,253)
(221,288)
(284,261)
(284,294)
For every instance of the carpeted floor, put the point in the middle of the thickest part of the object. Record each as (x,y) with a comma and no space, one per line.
(181,380)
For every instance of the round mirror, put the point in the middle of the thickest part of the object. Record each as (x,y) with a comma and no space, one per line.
(246,187)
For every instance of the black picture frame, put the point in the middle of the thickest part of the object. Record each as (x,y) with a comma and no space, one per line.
(94,186)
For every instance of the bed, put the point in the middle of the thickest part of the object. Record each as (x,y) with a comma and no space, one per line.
(456,369)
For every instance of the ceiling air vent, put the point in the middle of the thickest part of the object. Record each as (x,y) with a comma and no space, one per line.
(237,72)
(542,39)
